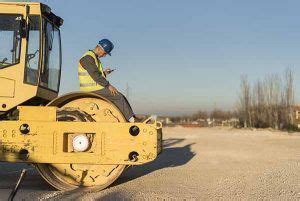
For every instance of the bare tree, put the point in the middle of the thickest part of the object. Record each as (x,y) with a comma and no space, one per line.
(272,94)
(220,114)
(258,106)
(288,97)
(244,102)
(200,115)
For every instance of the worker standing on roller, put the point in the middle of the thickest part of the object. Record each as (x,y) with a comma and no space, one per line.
(92,77)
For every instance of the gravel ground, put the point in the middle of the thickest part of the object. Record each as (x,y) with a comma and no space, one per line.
(196,164)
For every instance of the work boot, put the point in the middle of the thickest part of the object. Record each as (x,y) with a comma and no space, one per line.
(140,118)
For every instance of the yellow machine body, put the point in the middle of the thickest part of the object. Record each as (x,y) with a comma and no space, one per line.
(78,139)
(50,141)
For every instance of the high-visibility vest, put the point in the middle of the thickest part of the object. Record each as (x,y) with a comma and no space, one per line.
(85,80)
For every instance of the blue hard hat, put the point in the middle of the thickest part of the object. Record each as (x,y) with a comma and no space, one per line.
(107,46)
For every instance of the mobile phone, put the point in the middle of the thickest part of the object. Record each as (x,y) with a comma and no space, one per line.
(111,70)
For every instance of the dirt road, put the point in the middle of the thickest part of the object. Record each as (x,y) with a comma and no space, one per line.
(196,164)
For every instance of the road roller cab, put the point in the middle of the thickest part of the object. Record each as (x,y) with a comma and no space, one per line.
(78,139)
(30,55)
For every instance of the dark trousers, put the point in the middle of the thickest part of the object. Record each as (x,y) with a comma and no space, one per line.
(119,100)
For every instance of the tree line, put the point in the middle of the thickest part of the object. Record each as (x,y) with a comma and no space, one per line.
(268,102)
(265,103)
(217,114)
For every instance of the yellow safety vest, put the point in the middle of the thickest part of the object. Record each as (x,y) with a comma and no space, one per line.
(85,80)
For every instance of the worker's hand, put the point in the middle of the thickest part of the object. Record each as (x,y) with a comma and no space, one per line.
(113,90)
(107,71)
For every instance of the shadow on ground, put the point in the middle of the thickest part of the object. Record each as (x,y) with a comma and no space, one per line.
(170,157)
(10,172)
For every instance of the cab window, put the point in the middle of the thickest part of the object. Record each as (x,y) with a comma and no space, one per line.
(10,40)
(33,50)
(50,76)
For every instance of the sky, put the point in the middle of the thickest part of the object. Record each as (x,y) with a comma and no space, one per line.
(179,57)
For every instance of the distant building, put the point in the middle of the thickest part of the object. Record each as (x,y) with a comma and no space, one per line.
(230,122)
(165,120)
(168,120)
(296,115)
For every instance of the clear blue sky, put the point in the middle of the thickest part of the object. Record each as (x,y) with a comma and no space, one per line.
(182,56)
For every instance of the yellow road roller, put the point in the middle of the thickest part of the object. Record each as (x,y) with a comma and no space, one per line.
(75,140)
